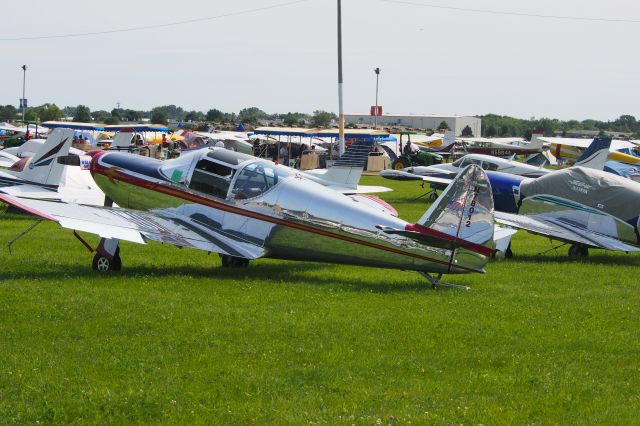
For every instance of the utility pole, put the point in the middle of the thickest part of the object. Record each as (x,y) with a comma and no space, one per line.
(23,103)
(340,102)
(375,116)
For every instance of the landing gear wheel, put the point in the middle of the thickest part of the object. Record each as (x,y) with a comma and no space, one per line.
(508,254)
(433,197)
(103,264)
(233,262)
(578,251)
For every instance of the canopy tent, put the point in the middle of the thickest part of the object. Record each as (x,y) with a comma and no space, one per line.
(72,125)
(130,128)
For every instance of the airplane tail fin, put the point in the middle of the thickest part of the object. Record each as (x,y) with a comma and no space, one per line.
(348,169)
(536,142)
(464,213)
(43,167)
(449,140)
(595,155)
(460,220)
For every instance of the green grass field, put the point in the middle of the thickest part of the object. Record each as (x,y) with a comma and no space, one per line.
(174,338)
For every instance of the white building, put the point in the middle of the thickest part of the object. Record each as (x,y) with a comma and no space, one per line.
(417,121)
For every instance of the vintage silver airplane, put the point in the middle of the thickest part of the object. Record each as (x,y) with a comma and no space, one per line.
(245,208)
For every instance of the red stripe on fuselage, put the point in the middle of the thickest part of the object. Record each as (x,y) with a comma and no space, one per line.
(478,248)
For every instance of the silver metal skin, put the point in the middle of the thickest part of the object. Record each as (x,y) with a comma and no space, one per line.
(273,211)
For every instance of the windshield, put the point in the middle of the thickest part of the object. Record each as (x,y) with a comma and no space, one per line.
(257,178)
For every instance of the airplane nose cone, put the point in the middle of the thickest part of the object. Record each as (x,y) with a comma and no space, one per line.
(95,154)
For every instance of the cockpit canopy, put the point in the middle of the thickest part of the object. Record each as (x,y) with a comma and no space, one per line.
(212,171)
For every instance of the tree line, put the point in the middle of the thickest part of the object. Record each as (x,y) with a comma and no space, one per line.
(501,125)
(164,114)
(493,125)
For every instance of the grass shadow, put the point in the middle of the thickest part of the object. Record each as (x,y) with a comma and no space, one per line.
(289,272)
(597,259)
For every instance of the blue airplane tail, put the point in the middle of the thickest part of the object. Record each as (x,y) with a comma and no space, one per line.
(596,154)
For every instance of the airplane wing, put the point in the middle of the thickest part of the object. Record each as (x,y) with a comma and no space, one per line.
(400,175)
(361,189)
(558,230)
(137,226)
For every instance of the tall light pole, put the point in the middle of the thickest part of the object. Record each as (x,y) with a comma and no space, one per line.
(375,116)
(340,103)
(24,85)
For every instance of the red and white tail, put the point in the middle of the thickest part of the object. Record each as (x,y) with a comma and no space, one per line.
(43,167)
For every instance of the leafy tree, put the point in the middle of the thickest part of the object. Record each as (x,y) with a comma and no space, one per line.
(31,114)
(159,116)
(443,126)
(131,115)
(50,112)
(83,114)
(322,118)
(295,118)
(100,115)
(194,116)
(467,132)
(8,113)
(215,116)
(171,111)
(252,115)
(491,131)
(112,119)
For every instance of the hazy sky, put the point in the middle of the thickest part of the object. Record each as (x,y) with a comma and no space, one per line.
(284,59)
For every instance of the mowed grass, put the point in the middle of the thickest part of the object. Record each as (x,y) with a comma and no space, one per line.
(174,338)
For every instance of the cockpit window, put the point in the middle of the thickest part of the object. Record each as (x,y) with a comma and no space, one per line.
(458,163)
(211,178)
(489,166)
(257,178)
(230,157)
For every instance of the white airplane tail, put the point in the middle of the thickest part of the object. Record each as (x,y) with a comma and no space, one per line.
(347,170)
(122,140)
(448,141)
(536,142)
(595,155)
(43,167)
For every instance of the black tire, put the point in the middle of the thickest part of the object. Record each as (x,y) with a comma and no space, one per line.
(577,250)
(233,262)
(400,163)
(433,197)
(508,254)
(103,265)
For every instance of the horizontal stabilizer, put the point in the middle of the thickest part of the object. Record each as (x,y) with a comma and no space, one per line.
(434,238)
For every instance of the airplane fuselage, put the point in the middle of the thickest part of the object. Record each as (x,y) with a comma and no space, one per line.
(271,206)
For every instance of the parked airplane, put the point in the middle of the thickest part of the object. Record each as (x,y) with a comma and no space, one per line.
(487,162)
(579,206)
(246,208)
(594,157)
(569,149)
(40,176)
(501,147)
(583,207)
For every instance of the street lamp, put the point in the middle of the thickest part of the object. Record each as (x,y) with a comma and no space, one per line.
(340,101)
(375,115)
(23,101)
